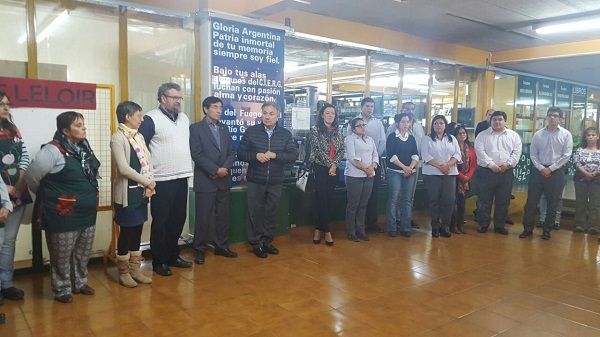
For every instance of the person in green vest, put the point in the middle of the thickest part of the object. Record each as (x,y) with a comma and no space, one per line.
(14,160)
(133,186)
(64,177)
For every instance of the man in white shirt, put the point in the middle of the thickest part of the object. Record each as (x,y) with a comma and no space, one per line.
(498,152)
(550,150)
(374,129)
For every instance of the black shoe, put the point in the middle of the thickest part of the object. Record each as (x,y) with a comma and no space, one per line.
(1,299)
(353,237)
(509,222)
(414,224)
(482,229)
(225,252)
(435,233)
(546,235)
(392,234)
(162,270)
(260,252)
(13,294)
(445,233)
(526,233)
(271,250)
(405,234)
(502,231)
(539,225)
(2,318)
(199,259)
(363,237)
(180,263)
(556,226)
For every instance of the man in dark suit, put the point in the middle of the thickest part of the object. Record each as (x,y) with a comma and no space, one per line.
(213,155)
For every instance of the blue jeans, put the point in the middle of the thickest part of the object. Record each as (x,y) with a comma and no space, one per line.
(8,237)
(400,199)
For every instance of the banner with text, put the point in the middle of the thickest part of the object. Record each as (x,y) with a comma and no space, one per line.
(49,94)
(246,71)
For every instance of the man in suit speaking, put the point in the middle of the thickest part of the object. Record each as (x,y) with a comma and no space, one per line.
(213,155)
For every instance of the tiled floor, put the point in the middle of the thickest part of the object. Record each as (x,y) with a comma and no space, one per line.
(468,285)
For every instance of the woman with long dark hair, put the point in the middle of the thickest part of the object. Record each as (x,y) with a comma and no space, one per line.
(466,171)
(326,152)
(441,154)
(64,179)
(587,182)
(13,164)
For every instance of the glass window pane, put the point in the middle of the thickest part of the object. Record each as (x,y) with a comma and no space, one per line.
(591,111)
(442,97)
(349,82)
(384,83)
(61,34)
(415,85)
(13,53)
(468,88)
(504,97)
(159,52)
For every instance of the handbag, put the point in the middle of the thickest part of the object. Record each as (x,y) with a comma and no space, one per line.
(306,180)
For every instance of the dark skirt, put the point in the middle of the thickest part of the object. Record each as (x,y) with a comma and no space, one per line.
(131,216)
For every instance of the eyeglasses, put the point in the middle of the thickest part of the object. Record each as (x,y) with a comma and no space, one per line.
(553,116)
(5,105)
(177,98)
(359,125)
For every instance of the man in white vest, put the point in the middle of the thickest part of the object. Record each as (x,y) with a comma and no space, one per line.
(166,131)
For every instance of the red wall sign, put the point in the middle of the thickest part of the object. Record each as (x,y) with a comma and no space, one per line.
(25,93)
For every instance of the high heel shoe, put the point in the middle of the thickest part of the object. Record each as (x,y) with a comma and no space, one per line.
(318,235)
(327,242)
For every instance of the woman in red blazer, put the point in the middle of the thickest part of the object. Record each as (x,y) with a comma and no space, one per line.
(466,171)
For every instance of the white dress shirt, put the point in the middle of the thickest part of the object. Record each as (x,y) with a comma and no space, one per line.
(551,149)
(360,149)
(374,129)
(498,148)
(440,150)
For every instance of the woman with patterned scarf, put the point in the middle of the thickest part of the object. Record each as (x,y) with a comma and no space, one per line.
(466,171)
(133,186)
(64,177)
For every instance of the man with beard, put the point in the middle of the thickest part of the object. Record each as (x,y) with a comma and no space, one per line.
(166,132)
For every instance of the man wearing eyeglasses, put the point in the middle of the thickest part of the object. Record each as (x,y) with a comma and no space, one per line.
(166,131)
(550,150)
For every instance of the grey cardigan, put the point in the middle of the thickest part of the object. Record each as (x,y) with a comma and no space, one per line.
(121,152)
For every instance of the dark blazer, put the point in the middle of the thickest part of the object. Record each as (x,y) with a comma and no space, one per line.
(208,157)
(256,140)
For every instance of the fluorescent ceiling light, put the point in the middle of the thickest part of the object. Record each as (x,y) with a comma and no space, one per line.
(51,27)
(302,2)
(567,27)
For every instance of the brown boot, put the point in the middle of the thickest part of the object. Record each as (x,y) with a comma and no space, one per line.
(125,278)
(134,268)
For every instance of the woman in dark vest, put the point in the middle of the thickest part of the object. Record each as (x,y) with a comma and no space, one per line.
(64,178)
(14,161)
(132,188)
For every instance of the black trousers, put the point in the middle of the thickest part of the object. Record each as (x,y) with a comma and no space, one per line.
(129,239)
(493,188)
(212,211)
(441,191)
(168,208)
(372,210)
(551,187)
(262,203)
(325,185)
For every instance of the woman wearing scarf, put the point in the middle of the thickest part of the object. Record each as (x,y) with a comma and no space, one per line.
(326,152)
(64,178)
(133,186)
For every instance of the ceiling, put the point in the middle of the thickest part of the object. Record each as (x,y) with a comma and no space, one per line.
(490,25)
